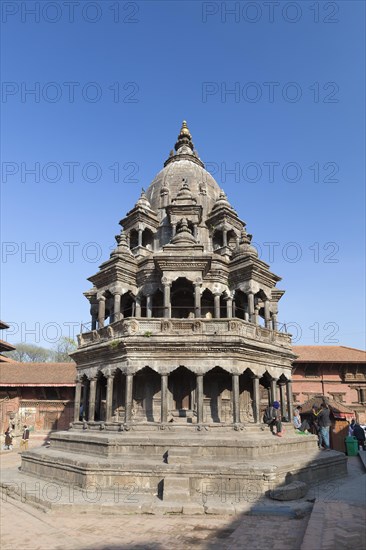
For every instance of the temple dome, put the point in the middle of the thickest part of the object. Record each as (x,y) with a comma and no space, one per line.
(184,165)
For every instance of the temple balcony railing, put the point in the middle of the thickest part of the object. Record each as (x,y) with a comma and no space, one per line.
(149,327)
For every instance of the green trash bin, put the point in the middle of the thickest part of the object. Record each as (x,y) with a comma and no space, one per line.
(351,445)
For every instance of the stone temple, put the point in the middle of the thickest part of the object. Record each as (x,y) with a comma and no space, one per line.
(182,355)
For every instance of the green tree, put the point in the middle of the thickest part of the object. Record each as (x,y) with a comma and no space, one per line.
(30,353)
(61,350)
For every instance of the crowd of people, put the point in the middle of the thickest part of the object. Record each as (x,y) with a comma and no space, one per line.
(318,422)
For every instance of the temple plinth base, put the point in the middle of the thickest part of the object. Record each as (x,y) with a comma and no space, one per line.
(183,465)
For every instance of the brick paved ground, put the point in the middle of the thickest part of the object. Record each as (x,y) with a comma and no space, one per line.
(333,524)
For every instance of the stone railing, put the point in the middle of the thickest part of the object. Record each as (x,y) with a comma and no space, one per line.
(144,327)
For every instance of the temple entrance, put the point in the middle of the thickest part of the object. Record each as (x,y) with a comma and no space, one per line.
(182,299)
(182,383)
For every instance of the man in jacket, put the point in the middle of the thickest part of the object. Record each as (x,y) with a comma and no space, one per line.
(324,424)
(359,433)
(272,417)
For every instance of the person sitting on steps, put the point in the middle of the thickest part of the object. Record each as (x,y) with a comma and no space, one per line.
(272,417)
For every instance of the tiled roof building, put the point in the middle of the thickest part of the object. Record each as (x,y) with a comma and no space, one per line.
(337,372)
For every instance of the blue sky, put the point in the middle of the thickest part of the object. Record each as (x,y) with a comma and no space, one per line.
(112,82)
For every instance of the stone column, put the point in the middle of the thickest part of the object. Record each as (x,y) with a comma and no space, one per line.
(92,394)
(164,398)
(85,400)
(217,306)
(256,314)
(274,321)
(246,312)
(256,399)
(274,389)
(199,398)
(251,307)
(235,394)
(109,398)
(224,237)
(101,312)
(267,314)
(149,306)
(77,401)
(117,307)
(174,229)
(229,308)
(128,397)
(289,400)
(94,320)
(282,399)
(140,237)
(197,300)
(166,300)
(138,307)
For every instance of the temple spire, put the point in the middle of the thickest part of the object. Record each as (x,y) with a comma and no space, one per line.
(184,137)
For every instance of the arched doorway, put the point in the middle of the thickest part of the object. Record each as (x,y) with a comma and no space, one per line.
(217,388)
(182,299)
(146,400)
(207,304)
(100,397)
(182,384)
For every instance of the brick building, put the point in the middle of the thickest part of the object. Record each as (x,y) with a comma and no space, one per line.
(38,394)
(337,372)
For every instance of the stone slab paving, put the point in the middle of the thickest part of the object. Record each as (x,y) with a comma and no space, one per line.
(29,529)
(337,521)
(338,518)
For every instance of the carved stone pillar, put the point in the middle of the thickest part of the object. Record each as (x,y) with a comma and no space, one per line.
(229,308)
(128,397)
(138,306)
(217,305)
(274,389)
(235,394)
(267,314)
(246,312)
(174,229)
(289,400)
(274,321)
(109,398)
(140,237)
(117,307)
(282,399)
(94,317)
(256,314)
(256,399)
(199,397)
(197,300)
(149,306)
(167,306)
(164,398)
(77,401)
(224,237)
(251,307)
(85,400)
(92,394)
(101,312)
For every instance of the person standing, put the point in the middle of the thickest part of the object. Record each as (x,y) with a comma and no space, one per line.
(324,424)
(359,434)
(8,444)
(25,437)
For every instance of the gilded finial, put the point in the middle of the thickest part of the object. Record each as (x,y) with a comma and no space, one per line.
(184,137)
